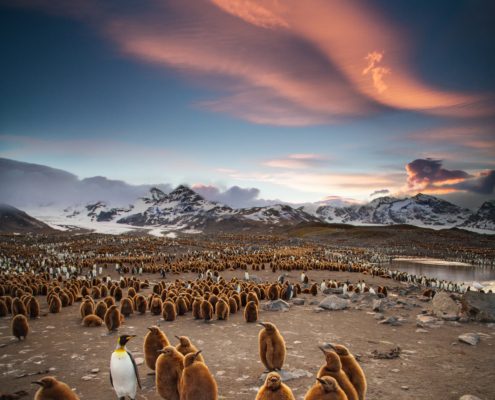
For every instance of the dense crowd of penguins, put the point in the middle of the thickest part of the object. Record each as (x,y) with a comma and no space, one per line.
(79,272)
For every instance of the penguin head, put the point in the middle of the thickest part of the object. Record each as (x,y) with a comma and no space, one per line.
(191,358)
(332,360)
(273,381)
(123,339)
(154,329)
(339,349)
(46,382)
(184,340)
(269,327)
(328,384)
(168,351)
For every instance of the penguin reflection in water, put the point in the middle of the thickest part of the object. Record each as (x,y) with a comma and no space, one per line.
(124,375)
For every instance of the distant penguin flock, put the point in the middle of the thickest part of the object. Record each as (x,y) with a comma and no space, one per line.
(47,278)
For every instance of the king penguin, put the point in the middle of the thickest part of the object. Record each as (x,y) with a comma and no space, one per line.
(124,375)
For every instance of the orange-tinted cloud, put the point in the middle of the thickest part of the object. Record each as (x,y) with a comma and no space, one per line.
(288,62)
(350,34)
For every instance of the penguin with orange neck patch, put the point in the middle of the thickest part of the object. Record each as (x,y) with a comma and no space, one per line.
(124,375)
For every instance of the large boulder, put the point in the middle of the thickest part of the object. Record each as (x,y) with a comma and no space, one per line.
(333,303)
(479,306)
(442,306)
(276,305)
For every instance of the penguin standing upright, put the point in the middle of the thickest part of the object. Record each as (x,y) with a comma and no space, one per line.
(124,375)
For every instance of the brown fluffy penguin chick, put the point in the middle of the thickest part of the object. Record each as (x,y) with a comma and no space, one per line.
(206,310)
(185,347)
(92,321)
(3,308)
(101,309)
(197,382)
(18,307)
(86,308)
(33,308)
(156,306)
(271,347)
(333,368)
(222,310)
(274,389)
(169,367)
(352,368)
(154,341)
(112,318)
(251,312)
(325,388)
(55,305)
(196,308)
(126,307)
(20,326)
(52,389)
(169,312)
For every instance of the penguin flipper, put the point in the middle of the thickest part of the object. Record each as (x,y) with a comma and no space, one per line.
(136,372)
(111,379)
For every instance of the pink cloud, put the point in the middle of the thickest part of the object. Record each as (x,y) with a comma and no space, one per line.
(291,62)
(347,32)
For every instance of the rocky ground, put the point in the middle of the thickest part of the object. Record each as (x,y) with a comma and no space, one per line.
(431,362)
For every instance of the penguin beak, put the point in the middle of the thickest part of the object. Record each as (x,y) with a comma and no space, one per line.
(332,346)
(320,380)
(37,383)
(177,337)
(262,324)
(323,349)
(149,328)
(197,354)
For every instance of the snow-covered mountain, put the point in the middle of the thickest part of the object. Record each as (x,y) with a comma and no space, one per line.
(420,210)
(484,218)
(184,209)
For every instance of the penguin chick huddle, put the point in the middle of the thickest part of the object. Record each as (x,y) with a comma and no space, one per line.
(182,374)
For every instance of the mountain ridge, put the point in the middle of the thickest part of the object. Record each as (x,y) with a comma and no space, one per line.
(183,208)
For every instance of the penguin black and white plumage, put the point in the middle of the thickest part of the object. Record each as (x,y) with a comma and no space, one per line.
(124,375)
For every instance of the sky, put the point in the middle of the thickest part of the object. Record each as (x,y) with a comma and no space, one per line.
(252,101)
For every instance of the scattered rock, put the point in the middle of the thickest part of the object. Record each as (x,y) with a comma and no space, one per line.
(442,304)
(139,361)
(276,305)
(379,316)
(95,370)
(470,338)
(421,330)
(394,321)
(404,387)
(287,375)
(469,397)
(387,355)
(479,306)
(298,302)
(334,303)
(426,321)
(87,377)
(377,305)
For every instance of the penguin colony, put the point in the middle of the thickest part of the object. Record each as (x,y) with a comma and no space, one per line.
(108,302)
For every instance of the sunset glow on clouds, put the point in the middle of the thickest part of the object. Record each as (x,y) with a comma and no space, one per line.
(253,100)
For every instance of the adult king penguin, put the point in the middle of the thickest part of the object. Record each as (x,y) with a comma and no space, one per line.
(124,375)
